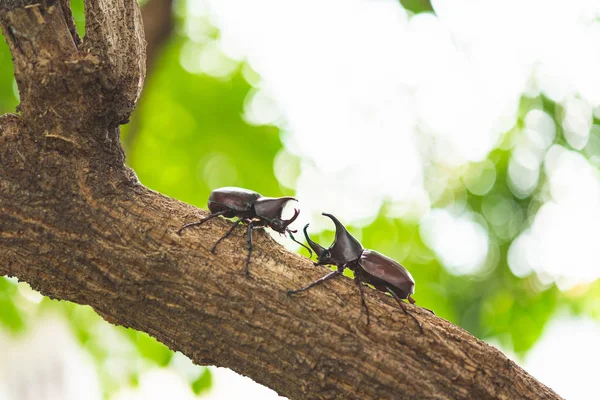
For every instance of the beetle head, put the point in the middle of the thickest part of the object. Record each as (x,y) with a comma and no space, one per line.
(270,208)
(323,255)
(345,247)
(281,225)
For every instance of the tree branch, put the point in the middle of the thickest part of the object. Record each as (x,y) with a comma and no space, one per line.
(158,26)
(114,31)
(77,225)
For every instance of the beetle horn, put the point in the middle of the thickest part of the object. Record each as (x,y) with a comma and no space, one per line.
(270,208)
(345,247)
(340,229)
(289,221)
(318,249)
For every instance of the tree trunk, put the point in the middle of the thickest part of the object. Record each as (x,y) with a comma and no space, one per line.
(77,225)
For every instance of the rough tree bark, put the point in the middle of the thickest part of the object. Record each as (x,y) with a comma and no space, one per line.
(77,225)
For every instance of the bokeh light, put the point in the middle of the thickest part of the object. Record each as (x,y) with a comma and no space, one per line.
(460,242)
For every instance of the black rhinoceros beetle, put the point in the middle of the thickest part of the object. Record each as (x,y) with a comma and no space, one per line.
(251,208)
(371,267)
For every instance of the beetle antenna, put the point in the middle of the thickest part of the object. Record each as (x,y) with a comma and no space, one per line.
(301,244)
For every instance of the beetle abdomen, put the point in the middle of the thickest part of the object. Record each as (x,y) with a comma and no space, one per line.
(389,271)
(232,198)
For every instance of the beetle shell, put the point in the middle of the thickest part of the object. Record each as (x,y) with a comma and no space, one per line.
(388,270)
(232,198)
(270,208)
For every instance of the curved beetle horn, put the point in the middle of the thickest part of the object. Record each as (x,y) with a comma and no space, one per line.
(318,249)
(346,247)
(289,221)
(271,207)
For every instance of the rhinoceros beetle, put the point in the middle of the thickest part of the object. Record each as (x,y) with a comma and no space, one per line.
(371,267)
(251,208)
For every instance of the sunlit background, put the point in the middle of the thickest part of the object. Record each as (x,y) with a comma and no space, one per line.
(464,142)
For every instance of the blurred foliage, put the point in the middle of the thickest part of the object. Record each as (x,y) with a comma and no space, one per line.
(203,383)
(8,98)
(191,137)
(417,6)
(188,136)
(10,315)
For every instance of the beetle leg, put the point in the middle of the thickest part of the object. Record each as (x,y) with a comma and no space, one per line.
(250,227)
(403,307)
(203,220)
(229,232)
(327,277)
(412,301)
(301,244)
(361,289)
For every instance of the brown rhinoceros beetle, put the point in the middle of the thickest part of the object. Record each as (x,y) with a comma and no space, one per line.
(370,267)
(251,208)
